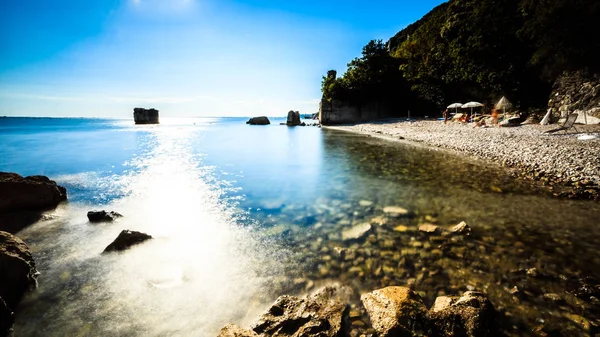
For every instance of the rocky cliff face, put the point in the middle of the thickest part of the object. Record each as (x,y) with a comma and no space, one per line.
(578,92)
(145,116)
(338,112)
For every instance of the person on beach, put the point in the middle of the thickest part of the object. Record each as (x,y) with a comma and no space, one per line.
(494,117)
(445,116)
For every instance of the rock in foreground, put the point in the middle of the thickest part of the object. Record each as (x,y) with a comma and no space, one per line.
(31,193)
(262,120)
(232,330)
(395,311)
(127,239)
(102,216)
(17,275)
(470,315)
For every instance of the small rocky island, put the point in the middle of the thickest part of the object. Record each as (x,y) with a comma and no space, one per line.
(145,116)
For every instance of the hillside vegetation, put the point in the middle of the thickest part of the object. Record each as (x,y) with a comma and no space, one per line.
(480,50)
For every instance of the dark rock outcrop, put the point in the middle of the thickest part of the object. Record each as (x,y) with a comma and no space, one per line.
(262,120)
(470,315)
(293,118)
(17,276)
(145,116)
(127,239)
(322,314)
(102,216)
(575,91)
(29,193)
(22,200)
(395,311)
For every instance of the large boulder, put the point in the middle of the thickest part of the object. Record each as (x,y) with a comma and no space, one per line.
(293,118)
(29,194)
(127,239)
(102,216)
(145,116)
(395,311)
(323,314)
(470,315)
(576,91)
(17,276)
(262,120)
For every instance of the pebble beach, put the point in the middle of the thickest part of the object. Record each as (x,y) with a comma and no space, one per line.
(561,161)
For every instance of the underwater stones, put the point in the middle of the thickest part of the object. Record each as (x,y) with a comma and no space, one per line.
(127,239)
(394,311)
(395,211)
(322,314)
(430,228)
(29,194)
(365,203)
(232,330)
(471,315)
(461,228)
(102,216)
(356,232)
(261,120)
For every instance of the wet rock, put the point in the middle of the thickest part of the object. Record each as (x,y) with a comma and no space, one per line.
(262,120)
(395,211)
(322,314)
(582,322)
(395,311)
(472,314)
(102,216)
(29,193)
(293,118)
(552,297)
(127,239)
(232,330)
(356,232)
(17,276)
(461,228)
(365,203)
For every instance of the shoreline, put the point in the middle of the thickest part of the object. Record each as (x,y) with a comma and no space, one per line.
(560,163)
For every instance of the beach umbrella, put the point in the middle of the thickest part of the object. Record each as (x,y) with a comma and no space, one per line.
(454,106)
(503,104)
(471,105)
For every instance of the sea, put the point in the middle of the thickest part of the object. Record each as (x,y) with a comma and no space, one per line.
(240,214)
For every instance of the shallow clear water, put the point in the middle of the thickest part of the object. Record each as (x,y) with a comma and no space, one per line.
(241,214)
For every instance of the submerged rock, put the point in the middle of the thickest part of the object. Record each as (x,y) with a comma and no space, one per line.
(17,276)
(262,120)
(461,228)
(471,315)
(29,193)
(356,232)
(395,211)
(395,311)
(102,216)
(323,314)
(430,228)
(127,239)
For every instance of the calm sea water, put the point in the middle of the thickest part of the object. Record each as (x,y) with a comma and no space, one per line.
(241,214)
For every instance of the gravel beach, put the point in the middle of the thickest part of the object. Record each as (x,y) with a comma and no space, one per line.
(569,166)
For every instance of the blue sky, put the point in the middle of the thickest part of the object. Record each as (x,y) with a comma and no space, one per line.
(102,58)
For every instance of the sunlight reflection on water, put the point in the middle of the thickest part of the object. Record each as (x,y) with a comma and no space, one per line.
(200,271)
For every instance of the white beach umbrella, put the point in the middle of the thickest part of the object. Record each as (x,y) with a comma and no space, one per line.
(471,105)
(454,106)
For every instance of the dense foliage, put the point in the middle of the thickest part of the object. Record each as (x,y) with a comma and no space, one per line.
(481,50)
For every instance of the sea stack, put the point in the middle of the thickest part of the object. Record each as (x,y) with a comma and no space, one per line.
(145,116)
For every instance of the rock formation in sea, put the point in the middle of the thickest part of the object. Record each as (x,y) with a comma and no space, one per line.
(103,216)
(17,276)
(145,116)
(293,118)
(261,120)
(23,199)
(127,239)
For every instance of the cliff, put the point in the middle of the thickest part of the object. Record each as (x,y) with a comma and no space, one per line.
(465,50)
(145,116)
